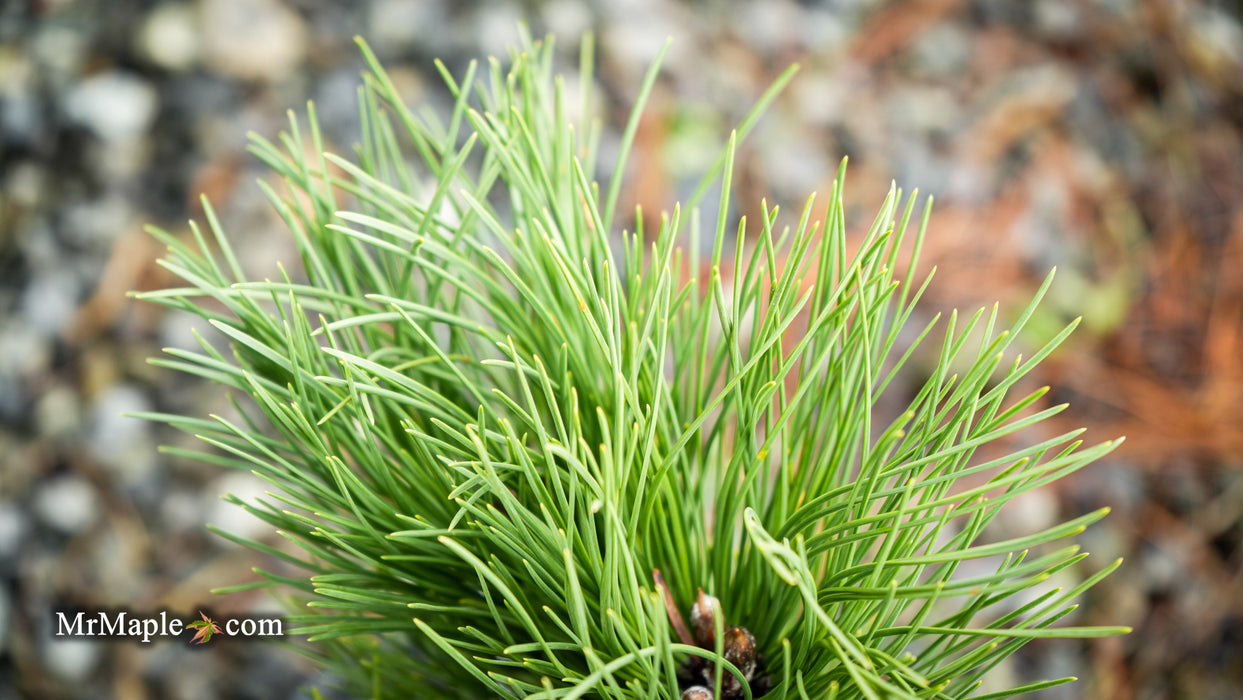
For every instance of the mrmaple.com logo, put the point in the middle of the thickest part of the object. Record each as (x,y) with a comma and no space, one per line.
(123,624)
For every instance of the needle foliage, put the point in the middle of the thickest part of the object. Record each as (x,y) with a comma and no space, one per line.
(488,416)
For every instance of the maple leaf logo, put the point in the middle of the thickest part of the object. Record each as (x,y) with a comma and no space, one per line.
(206,628)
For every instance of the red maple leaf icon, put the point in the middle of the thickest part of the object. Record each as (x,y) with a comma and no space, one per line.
(206,628)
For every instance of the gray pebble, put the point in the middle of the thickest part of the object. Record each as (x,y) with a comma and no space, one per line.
(922,109)
(119,441)
(6,617)
(25,184)
(19,118)
(98,221)
(67,504)
(58,413)
(12,532)
(1058,19)
(1029,512)
(177,330)
(232,518)
(1163,568)
(51,299)
(767,25)
(116,106)
(260,40)
(943,51)
(389,23)
(60,50)
(496,28)
(70,659)
(566,19)
(182,511)
(24,352)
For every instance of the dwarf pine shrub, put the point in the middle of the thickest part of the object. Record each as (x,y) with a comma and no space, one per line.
(513,443)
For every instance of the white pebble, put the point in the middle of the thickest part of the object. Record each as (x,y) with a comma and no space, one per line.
(389,23)
(182,511)
(1033,511)
(252,39)
(50,300)
(69,658)
(115,106)
(168,37)
(232,518)
(67,504)
(113,434)
(24,350)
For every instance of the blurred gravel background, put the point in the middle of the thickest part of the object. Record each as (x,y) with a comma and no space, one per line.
(1103,137)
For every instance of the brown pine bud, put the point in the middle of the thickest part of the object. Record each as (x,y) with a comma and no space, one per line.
(697,692)
(701,620)
(740,650)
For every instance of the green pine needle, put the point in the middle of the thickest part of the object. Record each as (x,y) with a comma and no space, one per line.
(487,421)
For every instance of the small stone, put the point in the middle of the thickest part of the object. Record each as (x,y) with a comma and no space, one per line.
(496,28)
(117,563)
(182,511)
(336,103)
(821,98)
(790,166)
(566,18)
(116,106)
(24,352)
(942,51)
(1058,19)
(637,35)
(51,299)
(17,73)
(98,221)
(6,617)
(19,118)
(1162,567)
(25,184)
(40,246)
(1215,37)
(389,23)
(922,108)
(261,40)
(822,27)
(177,330)
(12,532)
(67,504)
(69,658)
(120,441)
(60,50)
(231,517)
(1032,511)
(57,413)
(169,38)
(767,25)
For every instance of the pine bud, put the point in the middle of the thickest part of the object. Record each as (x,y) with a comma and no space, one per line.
(701,620)
(740,649)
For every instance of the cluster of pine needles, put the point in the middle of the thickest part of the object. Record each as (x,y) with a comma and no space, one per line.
(513,443)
